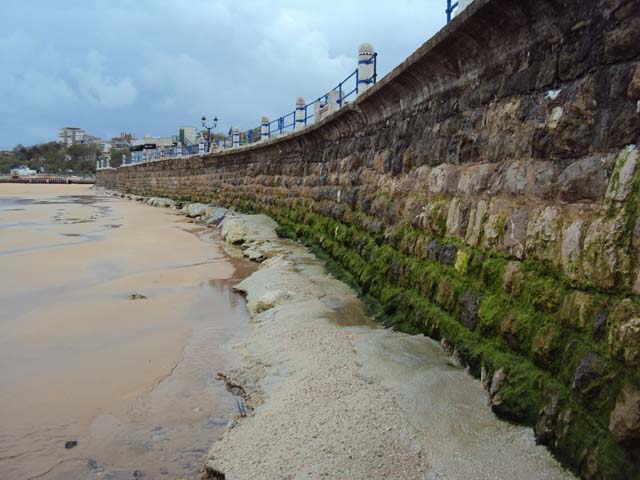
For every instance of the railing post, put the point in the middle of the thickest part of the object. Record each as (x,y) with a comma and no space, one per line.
(264,128)
(319,109)
(366,67)
(334,101)
(236,137)
(300,114)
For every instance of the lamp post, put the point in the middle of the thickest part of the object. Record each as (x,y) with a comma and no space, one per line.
(204,124)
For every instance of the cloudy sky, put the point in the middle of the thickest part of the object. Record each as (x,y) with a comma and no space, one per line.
(146,66)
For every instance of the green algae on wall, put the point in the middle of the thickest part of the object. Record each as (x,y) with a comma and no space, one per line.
(530,336)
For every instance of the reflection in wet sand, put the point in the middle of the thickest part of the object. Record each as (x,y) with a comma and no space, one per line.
(134,382)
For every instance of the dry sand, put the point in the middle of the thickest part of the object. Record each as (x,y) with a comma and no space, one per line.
(336,397)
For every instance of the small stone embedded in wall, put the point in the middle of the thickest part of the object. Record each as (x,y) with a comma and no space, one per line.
(624,423)
(469,305)
(590,377)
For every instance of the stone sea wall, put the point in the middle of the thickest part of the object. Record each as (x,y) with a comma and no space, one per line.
(484,192)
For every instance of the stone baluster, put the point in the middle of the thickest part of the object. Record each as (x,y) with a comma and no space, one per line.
(300,115)
(236,137)
(366,67)
(334,101)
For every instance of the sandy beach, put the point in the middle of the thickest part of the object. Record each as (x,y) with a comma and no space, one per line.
(132,381)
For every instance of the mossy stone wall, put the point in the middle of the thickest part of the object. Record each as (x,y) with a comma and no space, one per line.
(485,192)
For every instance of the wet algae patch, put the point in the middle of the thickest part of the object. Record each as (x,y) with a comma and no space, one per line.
(562,377)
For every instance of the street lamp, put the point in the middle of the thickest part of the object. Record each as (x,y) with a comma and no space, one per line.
(204,124)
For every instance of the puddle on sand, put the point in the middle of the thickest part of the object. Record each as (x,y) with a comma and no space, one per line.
(168,430)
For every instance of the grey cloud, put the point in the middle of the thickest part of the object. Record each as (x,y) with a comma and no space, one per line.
(146,66)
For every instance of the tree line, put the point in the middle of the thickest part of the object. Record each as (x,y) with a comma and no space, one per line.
(53,157)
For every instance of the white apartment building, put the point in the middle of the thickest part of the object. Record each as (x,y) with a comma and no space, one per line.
(71,136)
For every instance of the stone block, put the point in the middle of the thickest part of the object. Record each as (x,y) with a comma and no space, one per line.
(604,261)
(458,217)
(469,303)
(624,422)
(590,377)
(474,179)
(633,91)
(571,249)
(584,179)
(477,215)
(512,281)
(515,233)
(443,179)
(544,235)
(621,181)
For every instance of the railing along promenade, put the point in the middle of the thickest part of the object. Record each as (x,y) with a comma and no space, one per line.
(304,114)
(358,81)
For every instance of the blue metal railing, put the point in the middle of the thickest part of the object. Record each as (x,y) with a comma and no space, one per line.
(346,89)
(451,6)
(286,123)
(160,153)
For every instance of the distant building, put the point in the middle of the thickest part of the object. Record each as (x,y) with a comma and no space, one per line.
(22,171)
(71,136)
(125,140)
(187,135)
(105,146)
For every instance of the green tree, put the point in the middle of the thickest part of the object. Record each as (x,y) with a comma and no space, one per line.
(116,156)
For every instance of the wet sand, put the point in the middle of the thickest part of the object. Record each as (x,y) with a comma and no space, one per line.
(133,381)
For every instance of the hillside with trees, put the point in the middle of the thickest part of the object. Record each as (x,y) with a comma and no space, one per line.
(53,158)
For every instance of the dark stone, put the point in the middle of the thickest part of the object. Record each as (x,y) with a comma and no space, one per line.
(633,91)
(589,378)
(624,423)
(585,179)
(469,305)
(434,250)
(574,134)
(447,347)
(138,474)
(211,473)
(509,329)
(621,43)
(516,233)
(600,325)
(448,254)
(70,444)
(545,428)
(498,380)
(92,464)
(444,254)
